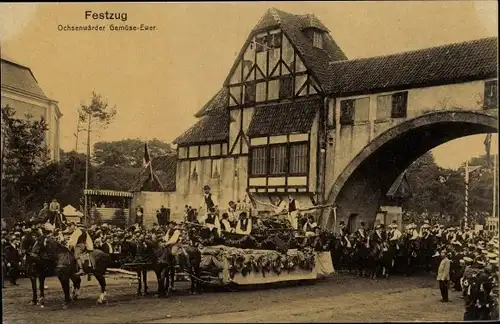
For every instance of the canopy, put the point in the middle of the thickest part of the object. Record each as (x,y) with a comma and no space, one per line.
(71,211)
(99,192)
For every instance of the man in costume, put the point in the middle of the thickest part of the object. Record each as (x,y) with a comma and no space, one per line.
(82,244)
(293,212)
(173,239)
(208,201)
(244,225)
(139,215)
(225,225)
(310,226)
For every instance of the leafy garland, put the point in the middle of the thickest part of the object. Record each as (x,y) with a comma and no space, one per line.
(241,262)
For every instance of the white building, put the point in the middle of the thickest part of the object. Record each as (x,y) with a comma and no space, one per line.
(20,90)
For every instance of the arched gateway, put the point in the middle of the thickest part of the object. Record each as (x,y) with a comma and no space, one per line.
(360,186)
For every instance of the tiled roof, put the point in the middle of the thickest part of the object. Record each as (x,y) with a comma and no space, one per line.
(20,78)
(210,128)
(216,104)
(165,170)
(293,26)
(284,118)
(400,188)
(475,59)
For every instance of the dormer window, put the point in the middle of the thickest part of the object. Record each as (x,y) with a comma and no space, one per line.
(268,42)
(318,39)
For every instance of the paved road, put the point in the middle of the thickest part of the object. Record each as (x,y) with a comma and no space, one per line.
(341,298)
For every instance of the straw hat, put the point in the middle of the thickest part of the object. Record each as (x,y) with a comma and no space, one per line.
(491,255)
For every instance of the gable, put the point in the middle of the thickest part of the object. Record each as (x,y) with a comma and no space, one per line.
(295,29)
(258,74)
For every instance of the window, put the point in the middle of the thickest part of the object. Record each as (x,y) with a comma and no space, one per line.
(261,92)
(286,87)
(259,161)
(194,169)
(261,44)
(347,112)
(274,41)
(384,107)
(277,160)
(362,109)
(250,93)
(215,168)
(399,104)
(298,158)
(490,94)
(317,39)
(274,90)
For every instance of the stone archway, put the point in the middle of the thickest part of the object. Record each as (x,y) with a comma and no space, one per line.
(361,185)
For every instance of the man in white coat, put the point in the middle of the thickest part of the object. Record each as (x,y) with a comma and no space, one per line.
(82,244)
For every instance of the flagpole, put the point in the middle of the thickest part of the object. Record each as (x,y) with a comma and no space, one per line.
(150,165)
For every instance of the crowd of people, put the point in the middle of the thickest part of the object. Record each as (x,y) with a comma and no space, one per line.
(466,260)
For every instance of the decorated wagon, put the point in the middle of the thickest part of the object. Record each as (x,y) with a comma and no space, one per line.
(273,252)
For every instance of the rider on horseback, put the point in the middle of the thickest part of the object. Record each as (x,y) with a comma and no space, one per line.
(173,239)
(344,233)
(81,242)
(395,235)
(378,236)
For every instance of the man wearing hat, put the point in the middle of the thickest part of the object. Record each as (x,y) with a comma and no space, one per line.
(12,258)
(244,225)
(208,202)
(344,234)
(139,215)
(379,235)
(443,276)
(82,244)
(395,234)
(173,240)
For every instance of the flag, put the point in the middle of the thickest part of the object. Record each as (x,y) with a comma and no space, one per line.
(487,146)
(147,159)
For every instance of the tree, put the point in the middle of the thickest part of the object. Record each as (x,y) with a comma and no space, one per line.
(128,152)
(95,116)
(440,192)
(23,154)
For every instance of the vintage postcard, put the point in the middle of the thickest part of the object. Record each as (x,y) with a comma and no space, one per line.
(281,161)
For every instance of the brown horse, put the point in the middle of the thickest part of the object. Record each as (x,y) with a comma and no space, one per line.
(66,268)
(189,261)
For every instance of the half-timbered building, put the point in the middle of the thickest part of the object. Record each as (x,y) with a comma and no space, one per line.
(294,112)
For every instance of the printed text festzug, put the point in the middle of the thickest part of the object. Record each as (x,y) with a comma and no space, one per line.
(89,14)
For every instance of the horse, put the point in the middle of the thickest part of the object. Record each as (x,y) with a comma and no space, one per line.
(151,256)
(360,255)
(189,260)
(66,268)
(39,264)
(379,259)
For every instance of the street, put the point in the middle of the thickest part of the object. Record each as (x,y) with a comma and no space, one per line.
(342,298)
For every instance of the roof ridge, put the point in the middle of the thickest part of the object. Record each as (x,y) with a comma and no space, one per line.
(416,50)
(276,15)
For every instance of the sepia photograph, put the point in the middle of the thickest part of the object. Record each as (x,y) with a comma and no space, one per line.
(241,162)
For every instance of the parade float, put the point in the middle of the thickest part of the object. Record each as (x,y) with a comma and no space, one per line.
(272,253)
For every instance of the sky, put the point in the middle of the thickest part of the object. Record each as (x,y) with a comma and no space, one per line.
(158,79)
